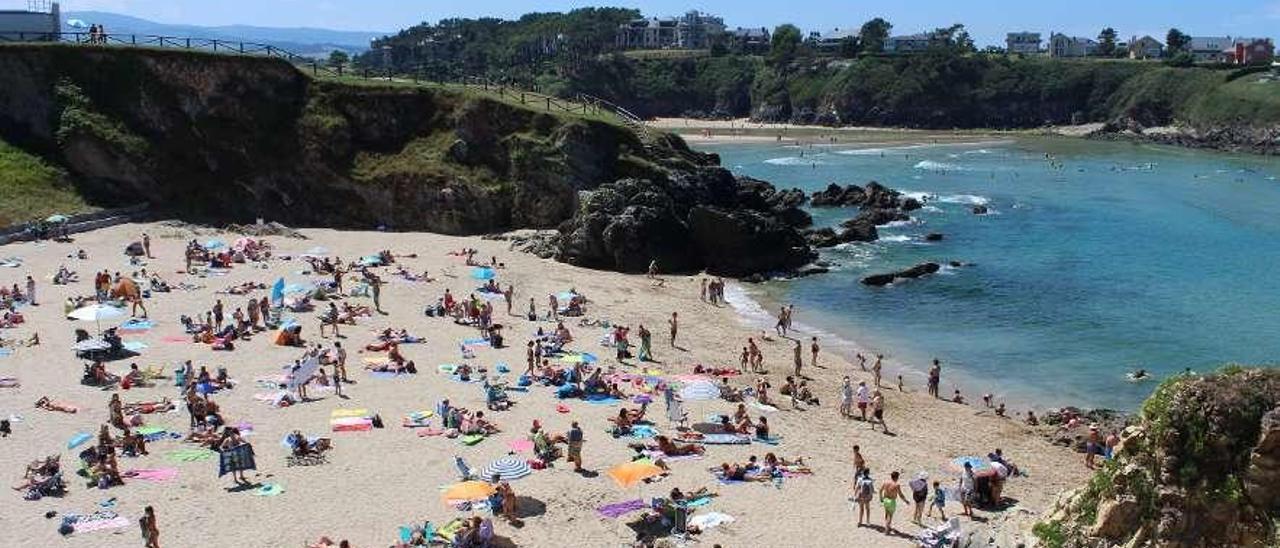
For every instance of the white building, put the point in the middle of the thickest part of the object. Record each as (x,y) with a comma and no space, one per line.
(911,43)
(1209,49)
(1025,43)
(40,22)
(693,30)
(1063,46)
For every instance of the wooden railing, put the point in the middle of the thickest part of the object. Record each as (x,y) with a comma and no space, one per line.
(214,45)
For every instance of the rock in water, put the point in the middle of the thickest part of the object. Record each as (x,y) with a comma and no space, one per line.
(980,210)
(922,269)
(933,237)
(701,219)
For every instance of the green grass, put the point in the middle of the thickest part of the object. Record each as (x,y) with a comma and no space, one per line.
(31,189)
(1249,100)
(666,53)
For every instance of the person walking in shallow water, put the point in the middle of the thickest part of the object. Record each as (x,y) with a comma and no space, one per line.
(674,322)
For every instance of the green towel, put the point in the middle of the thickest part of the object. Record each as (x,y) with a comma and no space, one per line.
(472,439)
(191,455)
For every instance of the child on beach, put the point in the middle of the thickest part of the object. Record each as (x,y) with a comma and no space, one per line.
(939,501)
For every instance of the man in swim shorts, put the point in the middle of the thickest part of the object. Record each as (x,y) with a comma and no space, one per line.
(890,492)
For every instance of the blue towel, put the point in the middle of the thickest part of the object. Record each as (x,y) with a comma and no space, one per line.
(236,459)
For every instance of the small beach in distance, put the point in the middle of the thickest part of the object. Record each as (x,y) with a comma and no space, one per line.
(1094,259)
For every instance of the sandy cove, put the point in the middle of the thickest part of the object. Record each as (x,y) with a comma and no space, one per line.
(376,481)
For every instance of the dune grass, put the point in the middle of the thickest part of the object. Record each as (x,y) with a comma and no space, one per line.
(32,189)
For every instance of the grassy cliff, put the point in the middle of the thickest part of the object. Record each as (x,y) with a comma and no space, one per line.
(31,188)
(934,90)
(223,138)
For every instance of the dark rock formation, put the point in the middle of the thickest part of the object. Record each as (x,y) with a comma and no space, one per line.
(1200,468)
(980,210)
(934,237)
(917,271)
(836,196)
(705,219)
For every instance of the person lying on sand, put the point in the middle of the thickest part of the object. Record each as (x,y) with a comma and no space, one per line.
(53,405)
(672,449)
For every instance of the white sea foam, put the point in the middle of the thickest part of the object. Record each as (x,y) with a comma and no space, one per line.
(794,161)
(931,209)
(926,197)
(930,165)
(896,238)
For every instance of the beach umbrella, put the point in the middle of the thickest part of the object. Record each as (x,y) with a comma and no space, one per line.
(214,244)
(56,218)
(629,474)
(979,464)
(96,313)
(507,469)
(77,24)
(700,391)
(483,273)
(468,491)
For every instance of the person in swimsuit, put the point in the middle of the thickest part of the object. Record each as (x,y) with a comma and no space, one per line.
(890,492)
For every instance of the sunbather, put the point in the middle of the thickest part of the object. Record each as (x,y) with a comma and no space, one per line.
(54,405)
(672,449)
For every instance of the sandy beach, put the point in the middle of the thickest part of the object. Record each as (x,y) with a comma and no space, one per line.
(379,480)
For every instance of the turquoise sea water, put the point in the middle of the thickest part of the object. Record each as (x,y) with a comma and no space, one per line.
(1110,257)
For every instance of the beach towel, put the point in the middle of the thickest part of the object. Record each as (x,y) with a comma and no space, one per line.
(236,459)
(472,439)
(152,474)
(5,352)
(521,445)
(346,413)
(721,439)
(190,455)
(447,368)
(601,399)
(417,419)
(643,431)
(698,502)
(763,407)
(351,424)
(101,524)
(710,519)
(78,440)
(175,339)
(771,440)
(654,455)
(10,382)
(619,509)
(430,432)
(137,324)
(134,346)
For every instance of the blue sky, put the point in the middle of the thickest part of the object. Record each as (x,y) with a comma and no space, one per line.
(987,20)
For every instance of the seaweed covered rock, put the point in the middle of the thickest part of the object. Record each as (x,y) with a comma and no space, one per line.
(1201,468)
(705,219)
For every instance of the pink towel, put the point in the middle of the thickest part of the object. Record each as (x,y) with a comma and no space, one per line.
(175,339)
(427,432)
(521,446)
(152,474)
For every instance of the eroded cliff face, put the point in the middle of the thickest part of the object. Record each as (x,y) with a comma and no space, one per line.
(231,138)
(1202,468)
(223,139)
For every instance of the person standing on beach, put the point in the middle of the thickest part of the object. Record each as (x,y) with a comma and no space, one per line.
(863,491)
(864,398)
(146,245)
(702,293)
(799,359)
(575,439)
(875,370)
(967,482)
(509,295)
(859,463)
(31,291)
(781,326)
(375,285)
(645,353)
(877,411)
(813,351)
(150,531)
(675,327)
(935,377)
(217,314)
(846,398)
(1092,446)
(890,492)
(791,315)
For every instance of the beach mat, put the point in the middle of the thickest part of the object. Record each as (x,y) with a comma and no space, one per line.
(721,439)
(619,509)
(152,474)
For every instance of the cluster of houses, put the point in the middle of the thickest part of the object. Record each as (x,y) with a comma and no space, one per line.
(1239,50)
(696,30)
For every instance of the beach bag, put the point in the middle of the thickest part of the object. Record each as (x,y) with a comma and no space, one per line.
(865,489)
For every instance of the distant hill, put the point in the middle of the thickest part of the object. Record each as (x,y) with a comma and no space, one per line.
(300,40)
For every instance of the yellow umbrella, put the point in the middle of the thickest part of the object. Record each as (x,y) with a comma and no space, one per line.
(631,473)
(468,490)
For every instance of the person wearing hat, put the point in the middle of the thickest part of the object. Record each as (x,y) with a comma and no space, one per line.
(919,494)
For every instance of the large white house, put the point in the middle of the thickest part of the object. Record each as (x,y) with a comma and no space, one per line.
(1061,45)
(693,30)
(1209,49)
(1025,43)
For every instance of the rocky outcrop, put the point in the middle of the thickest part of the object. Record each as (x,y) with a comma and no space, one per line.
(879,206)
(1200,468)
(705,219)
(917,271)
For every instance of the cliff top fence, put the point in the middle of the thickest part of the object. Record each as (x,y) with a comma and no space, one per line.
(582,105)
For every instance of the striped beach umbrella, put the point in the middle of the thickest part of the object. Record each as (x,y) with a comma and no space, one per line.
(506,468)
(700,391)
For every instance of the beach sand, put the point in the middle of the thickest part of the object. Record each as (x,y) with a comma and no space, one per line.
(376,481)
(744,131)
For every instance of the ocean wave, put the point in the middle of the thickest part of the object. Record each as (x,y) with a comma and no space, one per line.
(966,199)
(902,224)
(878,150)
(979,151)
(896,238)
(794,161)
(930,165)
(931,209)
